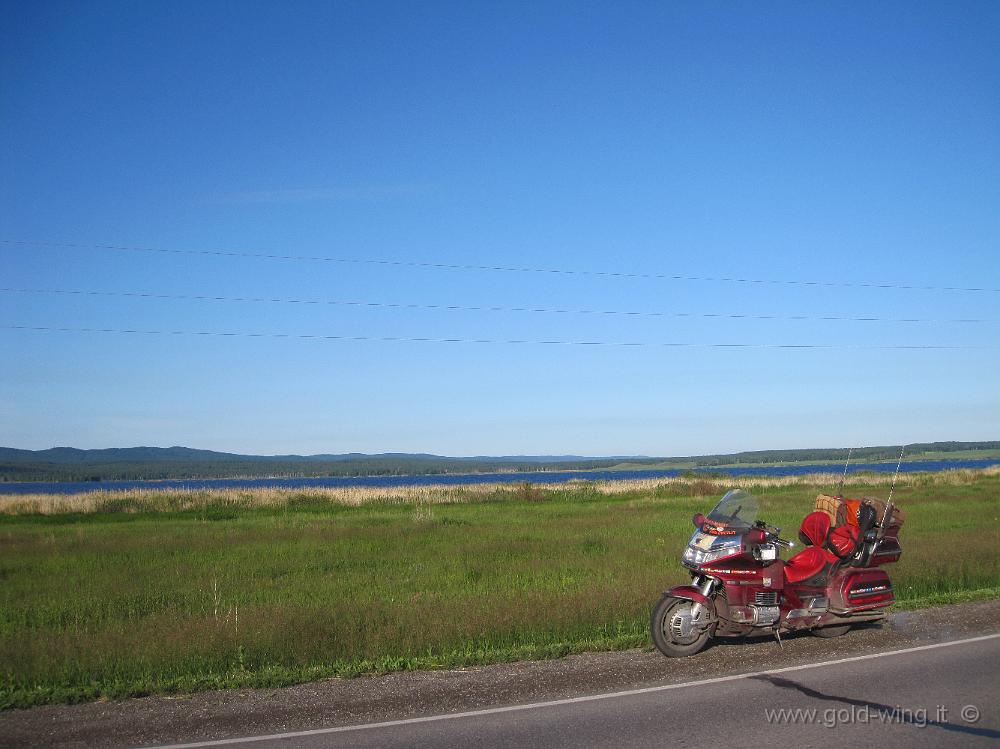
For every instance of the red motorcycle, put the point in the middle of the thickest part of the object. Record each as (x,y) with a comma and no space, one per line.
(740,587)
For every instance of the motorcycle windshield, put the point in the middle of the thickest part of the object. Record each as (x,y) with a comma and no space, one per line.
(736,509)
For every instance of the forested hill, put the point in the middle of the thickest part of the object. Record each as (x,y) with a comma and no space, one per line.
(135,463)
(922,450)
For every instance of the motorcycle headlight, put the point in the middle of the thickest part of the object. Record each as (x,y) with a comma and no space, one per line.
(720,549)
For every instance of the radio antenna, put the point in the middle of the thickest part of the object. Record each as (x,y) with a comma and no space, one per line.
(898,463)
(840,488)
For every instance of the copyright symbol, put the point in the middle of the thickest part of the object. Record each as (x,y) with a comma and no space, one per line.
(970,714)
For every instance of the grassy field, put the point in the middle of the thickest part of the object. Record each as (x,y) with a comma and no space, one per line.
(110,595)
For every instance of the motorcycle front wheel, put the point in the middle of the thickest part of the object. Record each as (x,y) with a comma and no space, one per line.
(676,632)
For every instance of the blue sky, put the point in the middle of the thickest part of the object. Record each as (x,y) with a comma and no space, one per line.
(847,143)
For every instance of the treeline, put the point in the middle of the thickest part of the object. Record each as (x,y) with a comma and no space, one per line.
(150,463)
(155,470)
(858,454)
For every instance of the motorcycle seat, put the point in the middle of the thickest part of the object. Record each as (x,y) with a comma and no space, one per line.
(813,563)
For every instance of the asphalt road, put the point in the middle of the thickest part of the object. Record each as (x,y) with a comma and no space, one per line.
(629,698)
(932,695)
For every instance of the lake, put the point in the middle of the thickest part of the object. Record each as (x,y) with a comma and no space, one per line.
(548,477)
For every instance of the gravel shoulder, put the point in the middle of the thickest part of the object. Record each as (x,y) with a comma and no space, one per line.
(233,713)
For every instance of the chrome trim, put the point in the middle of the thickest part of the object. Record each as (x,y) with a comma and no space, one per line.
(766,598)
(765,615)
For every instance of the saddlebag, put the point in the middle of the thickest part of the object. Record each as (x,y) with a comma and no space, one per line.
(862,590)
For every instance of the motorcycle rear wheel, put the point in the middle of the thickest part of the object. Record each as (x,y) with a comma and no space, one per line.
(674,632)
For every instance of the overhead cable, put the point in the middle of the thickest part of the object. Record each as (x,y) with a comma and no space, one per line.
(414,339)
(506,269)
(479,308)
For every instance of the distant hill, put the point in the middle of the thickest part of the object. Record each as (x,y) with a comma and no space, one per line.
(71,455)
(138,463)
(150,463)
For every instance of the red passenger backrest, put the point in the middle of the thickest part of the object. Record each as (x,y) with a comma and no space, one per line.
(844,540)
(814,529)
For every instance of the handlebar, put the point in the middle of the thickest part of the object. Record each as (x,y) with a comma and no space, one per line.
(783,542)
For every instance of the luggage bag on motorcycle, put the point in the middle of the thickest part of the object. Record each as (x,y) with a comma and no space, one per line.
(843,511)
(854,523)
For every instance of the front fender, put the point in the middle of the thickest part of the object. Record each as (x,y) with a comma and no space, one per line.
(690,593)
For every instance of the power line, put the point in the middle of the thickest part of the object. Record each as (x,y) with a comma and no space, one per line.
(408,339)
(479,308)
(505,269)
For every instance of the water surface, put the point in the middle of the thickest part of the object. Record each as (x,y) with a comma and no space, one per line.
(547,477)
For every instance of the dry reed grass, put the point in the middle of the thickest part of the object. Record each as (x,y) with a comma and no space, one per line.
(174,500)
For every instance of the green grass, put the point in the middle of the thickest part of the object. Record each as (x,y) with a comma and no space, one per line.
(123,602)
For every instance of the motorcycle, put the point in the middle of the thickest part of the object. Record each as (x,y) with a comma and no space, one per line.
(741,587)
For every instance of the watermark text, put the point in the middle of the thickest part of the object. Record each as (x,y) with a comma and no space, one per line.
(851,715)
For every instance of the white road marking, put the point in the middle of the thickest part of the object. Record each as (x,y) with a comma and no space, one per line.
(568,700)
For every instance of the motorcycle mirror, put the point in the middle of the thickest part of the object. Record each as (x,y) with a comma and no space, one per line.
(698,519)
